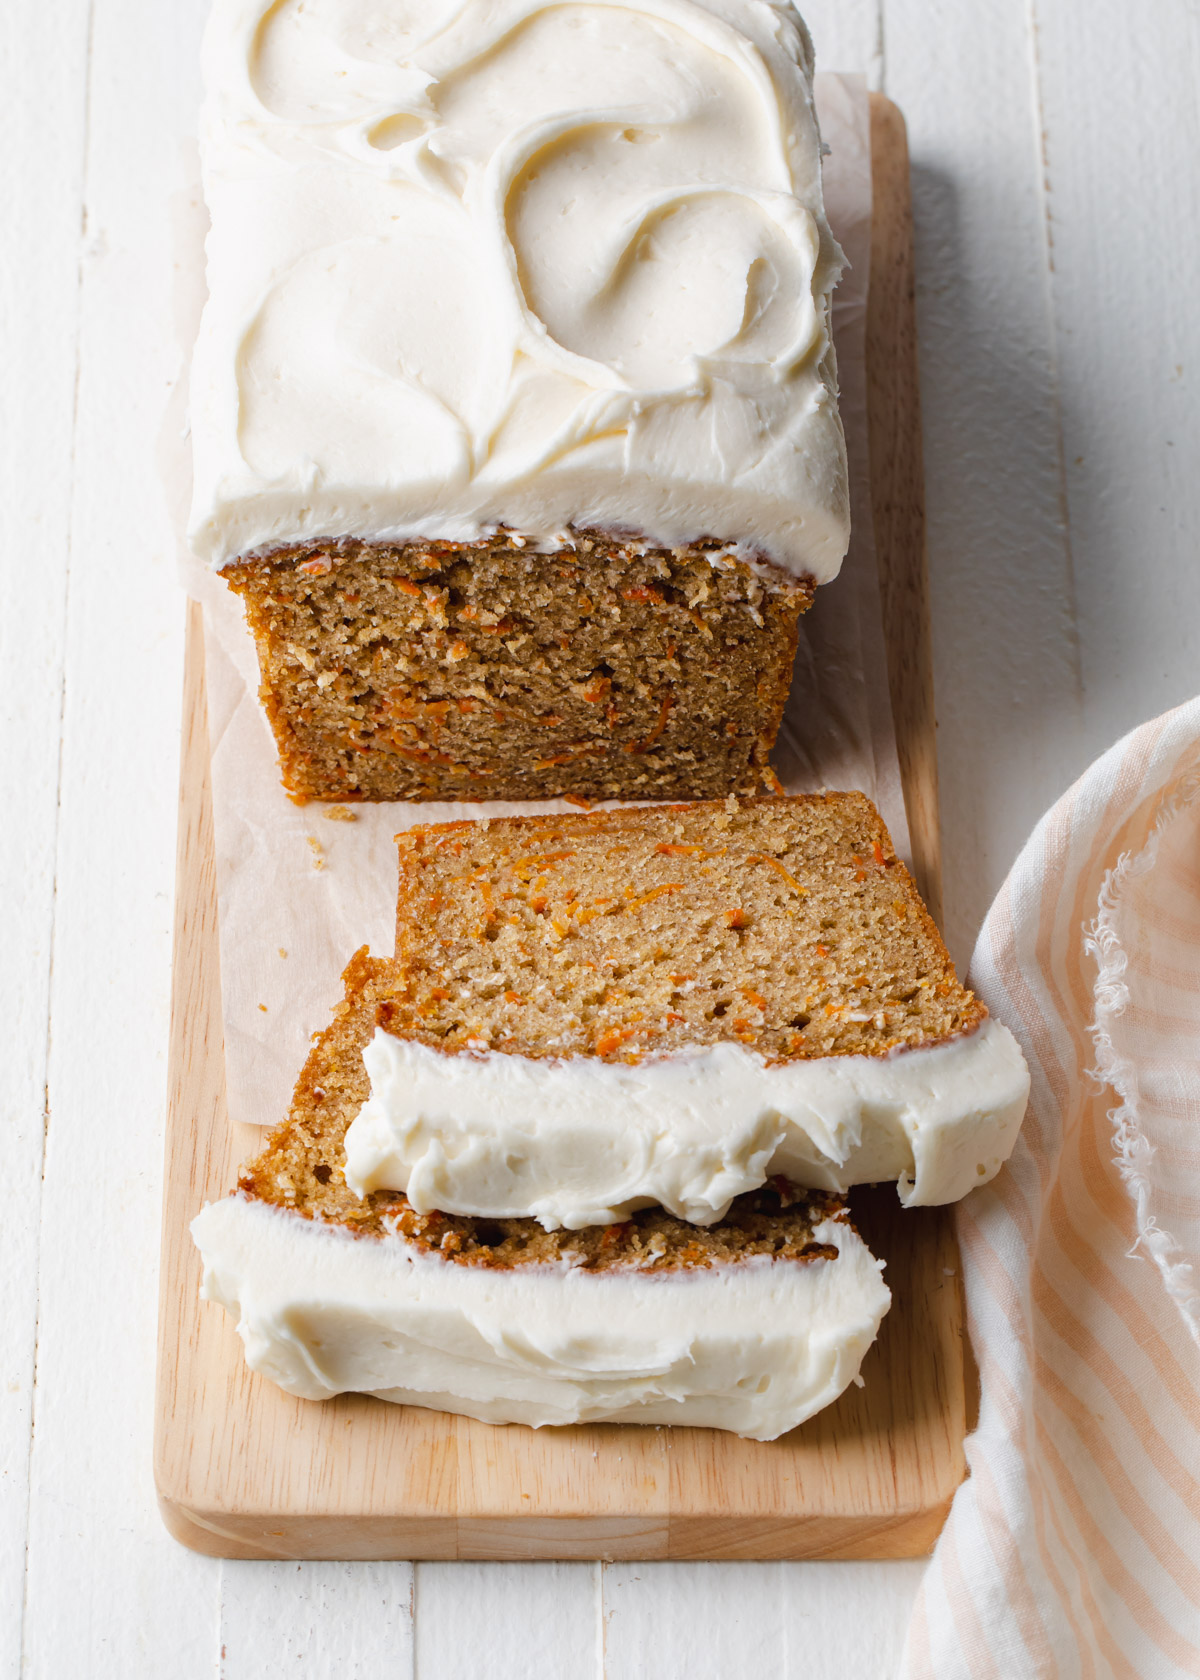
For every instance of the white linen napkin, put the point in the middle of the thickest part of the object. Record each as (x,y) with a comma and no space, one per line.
(1073,1549)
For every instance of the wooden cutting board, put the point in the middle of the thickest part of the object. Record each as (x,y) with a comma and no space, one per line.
(245,1471)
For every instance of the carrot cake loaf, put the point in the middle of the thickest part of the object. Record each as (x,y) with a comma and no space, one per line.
(669,1005)
(751,1324)
(514,403)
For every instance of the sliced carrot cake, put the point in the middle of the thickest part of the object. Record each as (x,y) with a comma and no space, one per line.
(751,1324)
(589,1014)
(514,403)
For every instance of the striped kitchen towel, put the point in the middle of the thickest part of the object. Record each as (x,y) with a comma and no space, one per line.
(1073,1549)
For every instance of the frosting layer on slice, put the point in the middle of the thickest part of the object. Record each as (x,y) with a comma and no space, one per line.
(516,262)
(753,1346)
(580,1141)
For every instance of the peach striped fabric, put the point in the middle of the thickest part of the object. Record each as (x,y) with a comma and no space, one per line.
(1073,1549)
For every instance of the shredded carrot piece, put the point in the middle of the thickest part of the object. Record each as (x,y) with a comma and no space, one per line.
(407,586)
(642,593)
(567,757)
(879,857)
(574,799)
(655,892)
(614,1038)
(513,997)
(317,567)
(736,918)
(644,746)
(760,857)
(681,851)
(771,779)
(541,860)
(751,996)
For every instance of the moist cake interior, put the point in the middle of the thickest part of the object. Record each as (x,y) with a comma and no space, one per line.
(609,668)
(785,925)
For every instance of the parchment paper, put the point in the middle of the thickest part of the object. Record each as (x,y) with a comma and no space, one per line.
(299,893)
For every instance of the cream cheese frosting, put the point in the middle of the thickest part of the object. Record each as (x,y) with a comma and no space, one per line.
(476,263)
(579,1141)
(754,1346)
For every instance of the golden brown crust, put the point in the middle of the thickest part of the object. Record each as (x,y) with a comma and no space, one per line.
(434,670)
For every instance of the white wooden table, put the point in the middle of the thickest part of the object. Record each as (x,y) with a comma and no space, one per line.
(1056,150)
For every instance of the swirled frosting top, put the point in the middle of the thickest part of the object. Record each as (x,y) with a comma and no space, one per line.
(512,262)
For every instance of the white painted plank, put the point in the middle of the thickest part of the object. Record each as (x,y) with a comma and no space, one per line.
(855,1615)
(1121,125)
(506,1621)
(740,1621)
(847,35)
(43,60)
(325,1621)
(1005,651)
(108,1594)
(709,1621)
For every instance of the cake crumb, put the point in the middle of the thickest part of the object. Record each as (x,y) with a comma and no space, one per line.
(282,952)
(651,684)
(263,1007)
(568,934)
(318,851)
(340,813)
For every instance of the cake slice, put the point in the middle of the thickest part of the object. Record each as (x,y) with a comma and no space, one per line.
(750,1325)
(670,1005)
(514,402)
